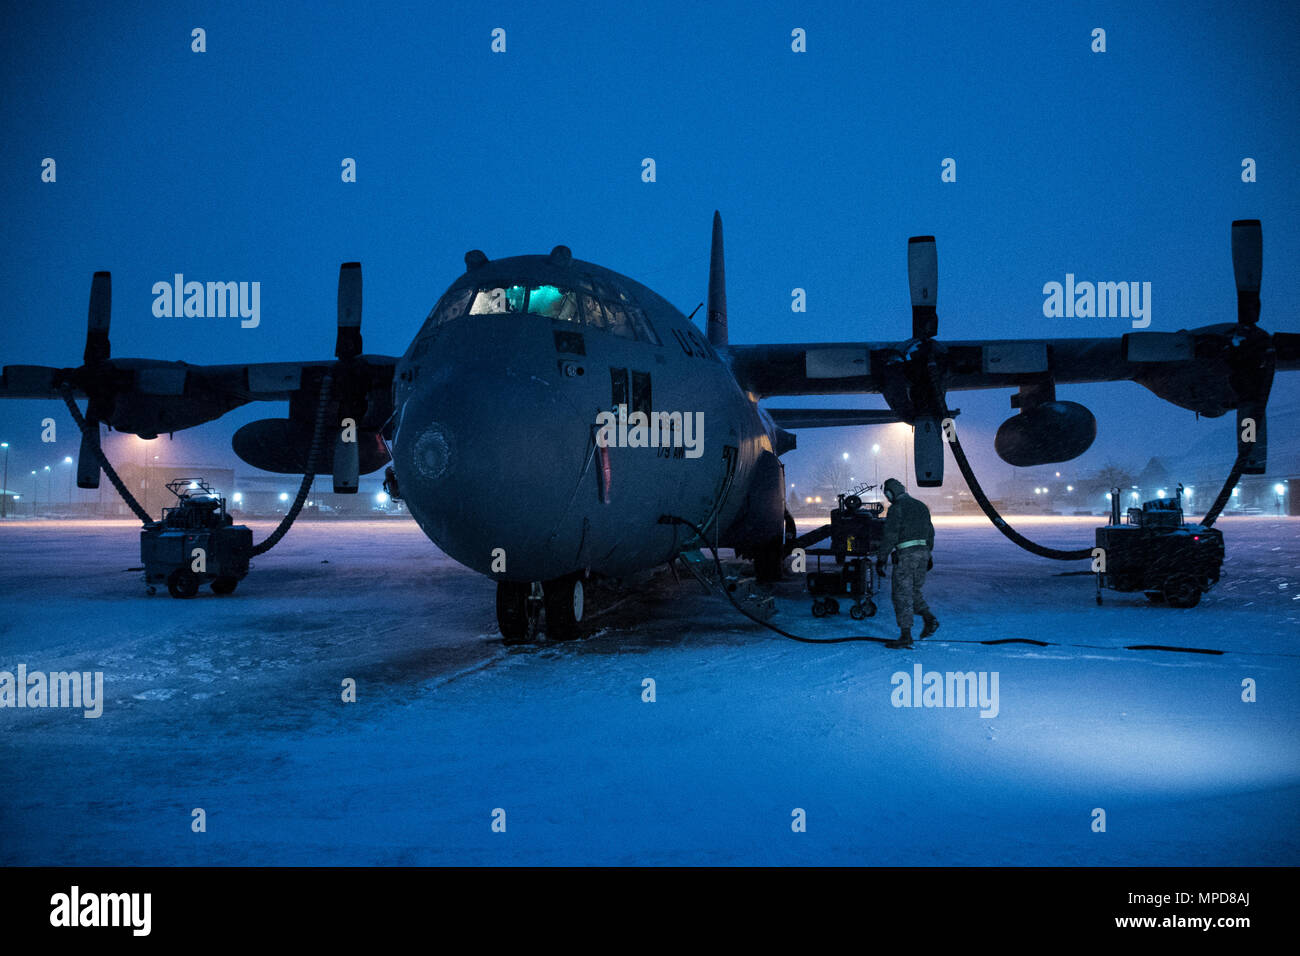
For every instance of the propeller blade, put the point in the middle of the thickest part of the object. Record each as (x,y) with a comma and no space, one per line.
(1253,361)
(98,319)
(1287,347)
(717,312)
(348,343)
(88,457)
(29,381)
(1252,424)
(347,466)
(1247,264)
(927,451)
(923,277)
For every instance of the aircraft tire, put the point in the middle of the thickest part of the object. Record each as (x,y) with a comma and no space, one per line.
(564,600)
(182,584)
(1181,590)
(224,585)
(512,611)
(767,561)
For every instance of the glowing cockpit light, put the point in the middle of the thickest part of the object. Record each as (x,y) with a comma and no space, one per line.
(499,300)
(554,303)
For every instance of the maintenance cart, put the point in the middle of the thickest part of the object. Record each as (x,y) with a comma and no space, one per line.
(1155,552)
(195,542)
(855,533)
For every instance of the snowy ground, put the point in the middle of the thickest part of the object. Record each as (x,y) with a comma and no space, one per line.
(233,705)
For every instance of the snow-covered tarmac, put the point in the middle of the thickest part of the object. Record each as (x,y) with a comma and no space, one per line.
(233,705)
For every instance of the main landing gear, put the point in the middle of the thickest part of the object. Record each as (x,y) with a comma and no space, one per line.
(555,607)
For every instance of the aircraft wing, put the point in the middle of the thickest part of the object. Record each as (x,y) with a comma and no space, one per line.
(1210,370)
(149,397)
(846,368)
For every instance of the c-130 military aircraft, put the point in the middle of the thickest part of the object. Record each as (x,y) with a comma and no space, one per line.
(490,418)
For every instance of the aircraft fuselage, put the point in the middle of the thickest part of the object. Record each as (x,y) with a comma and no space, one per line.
(498,403)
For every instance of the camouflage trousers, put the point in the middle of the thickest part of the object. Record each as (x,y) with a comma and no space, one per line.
(909,576)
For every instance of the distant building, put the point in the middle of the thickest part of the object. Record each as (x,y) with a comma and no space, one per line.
(1205,467)
(1046,490)
(267,495)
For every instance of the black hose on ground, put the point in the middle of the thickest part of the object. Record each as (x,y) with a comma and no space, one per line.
(717,563)
(674,519)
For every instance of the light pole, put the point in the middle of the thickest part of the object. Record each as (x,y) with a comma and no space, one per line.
(875,458)
(67,460)
(4,488)
(35,491)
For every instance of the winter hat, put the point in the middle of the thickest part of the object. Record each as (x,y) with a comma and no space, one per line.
(894,488)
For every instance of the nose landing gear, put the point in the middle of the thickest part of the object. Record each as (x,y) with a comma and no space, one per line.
(522,607)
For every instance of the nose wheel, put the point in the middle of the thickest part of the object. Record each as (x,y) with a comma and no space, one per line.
(520,607)
(564,606)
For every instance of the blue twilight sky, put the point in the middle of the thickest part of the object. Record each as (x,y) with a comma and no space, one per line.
(225,165)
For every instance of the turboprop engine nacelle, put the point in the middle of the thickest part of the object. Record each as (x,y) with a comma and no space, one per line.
(283,445)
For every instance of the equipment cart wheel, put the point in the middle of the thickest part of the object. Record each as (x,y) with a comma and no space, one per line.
(564,606)
(1182,590)
(857,613)
(182,583)
(818,608)
(224,585)
(832,606)
(514,616)
(151,590)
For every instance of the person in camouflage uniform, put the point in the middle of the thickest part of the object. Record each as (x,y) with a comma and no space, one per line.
(909,535)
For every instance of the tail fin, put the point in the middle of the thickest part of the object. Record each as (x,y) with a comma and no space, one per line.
(717,313)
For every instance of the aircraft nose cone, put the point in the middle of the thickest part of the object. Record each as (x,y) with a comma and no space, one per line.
(485,464)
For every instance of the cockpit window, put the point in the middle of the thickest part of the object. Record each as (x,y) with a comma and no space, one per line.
(608,315)
(498,300)
(644,330)
(554,303)
(591,304)
(451,306)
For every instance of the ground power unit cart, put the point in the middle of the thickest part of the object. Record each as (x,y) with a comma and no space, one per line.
(195,542)
(1155,552)
(855,533)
